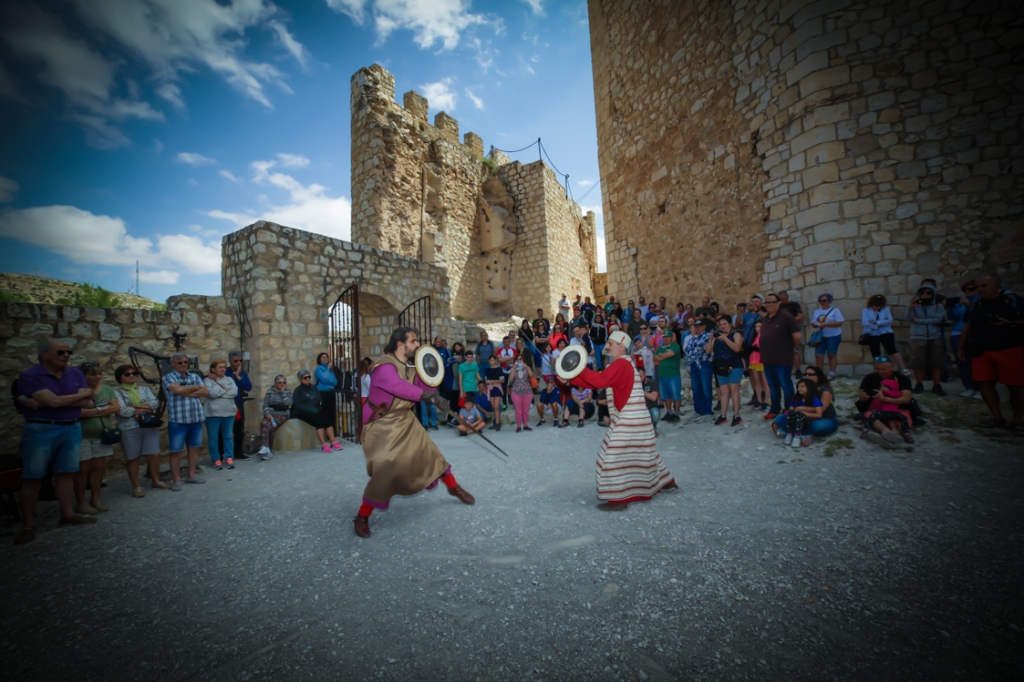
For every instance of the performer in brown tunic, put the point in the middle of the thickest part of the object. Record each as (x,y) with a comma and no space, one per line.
(400,457)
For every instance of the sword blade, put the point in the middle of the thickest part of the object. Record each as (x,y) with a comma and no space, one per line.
(472,430)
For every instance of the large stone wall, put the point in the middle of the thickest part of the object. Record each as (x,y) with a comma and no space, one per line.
(842,146)
(418,192)
(105,335)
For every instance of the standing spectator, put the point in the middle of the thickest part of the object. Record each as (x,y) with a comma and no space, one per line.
(244,385)
(494,377)
(541,336)
(635,324)
(558,334)
(758,384)
(926,317)
(547,360)
(484,349)
(543,321)
(447,388)
(528,358)
(666,359)
(599,337)
(876,319)
(829,320)
(52,396)
(617,311)
(506,356)
(615,325)
(794,309)
(364,369)
(705,309)
(739,320)
(452,381)
(725,346)
(780,336)
(956,310)
(307,405)
(277,408)
(587,310)
(577,318)
(643,349)
(92,458)
(680,317)
(580,338)
(219,414)
(469,376)
(327,385)
(993,337)
(138,435)
(609,306)
(652,398)
(651,312)
(700,366)
(184,418)
(527,335)
(563,324)
(522,393)
(563,306)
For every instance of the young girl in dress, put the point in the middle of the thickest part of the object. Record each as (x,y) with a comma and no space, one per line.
(758,383)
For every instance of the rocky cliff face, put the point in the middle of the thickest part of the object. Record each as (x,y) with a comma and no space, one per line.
(46,290)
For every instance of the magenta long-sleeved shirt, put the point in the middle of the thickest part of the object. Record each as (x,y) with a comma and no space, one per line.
(386,385)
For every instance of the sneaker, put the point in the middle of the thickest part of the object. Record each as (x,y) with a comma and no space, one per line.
(195,481)
(718,406)
(908,439)
(218,465)
(462,433)
(877,438)
(499,427)
(736,420)
(769,417)
(527,428)
(795,443)
(789,439)
(229,463)
(176,487)
(753,402)
(919,388)
(858,417)
(266,455)
(519,429)
(264,450)
(326,447)
(937,390)
(831,376)
(600,422)
(493,427)
(779,431)
(763,407)
(242,457)
(579,425)
(540,423)
(907,373)
(336,446)
(969,393)
(565,423)
(806,441)
(721,420)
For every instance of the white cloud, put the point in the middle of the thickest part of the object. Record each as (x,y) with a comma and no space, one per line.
(171,93)
(193,182)
(9,86)
(485,54)
(230,176)
(537,6)
(308,207)
(293,160)
(8,188)
(288,41)
(194,159)
(439,95)
(158,145)
(431,21)
(585,183)
(89,239)
(158,276)
(477,102)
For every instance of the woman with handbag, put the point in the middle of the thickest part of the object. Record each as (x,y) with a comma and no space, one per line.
(521,382)
(828,332)
(219,409)
(98,438)
(725,346)
(140,428)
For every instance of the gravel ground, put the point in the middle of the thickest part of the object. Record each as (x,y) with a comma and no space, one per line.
(837,562)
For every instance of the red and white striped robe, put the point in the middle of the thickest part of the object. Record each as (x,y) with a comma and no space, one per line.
(629,468)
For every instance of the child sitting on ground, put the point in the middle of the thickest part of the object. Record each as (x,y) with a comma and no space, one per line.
(471,415)
(890,389)
(805,407)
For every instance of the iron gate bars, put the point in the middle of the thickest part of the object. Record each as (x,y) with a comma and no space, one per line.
(418,315)
(343,330)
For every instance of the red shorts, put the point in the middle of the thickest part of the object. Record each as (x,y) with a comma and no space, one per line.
(1005,366)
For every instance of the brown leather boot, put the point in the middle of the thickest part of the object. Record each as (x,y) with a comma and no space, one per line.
(362,525)
(464,497)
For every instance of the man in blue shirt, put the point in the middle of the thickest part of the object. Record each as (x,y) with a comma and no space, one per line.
(185,417)
(244,385)
(484,350)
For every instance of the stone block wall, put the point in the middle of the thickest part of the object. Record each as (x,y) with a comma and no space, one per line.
(841,146)
(105,335)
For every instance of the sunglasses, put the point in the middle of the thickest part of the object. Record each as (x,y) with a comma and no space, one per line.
(281,382)
(304,379)
(881,358)
(822,300)
(90,364)
(130,374)
(62,352)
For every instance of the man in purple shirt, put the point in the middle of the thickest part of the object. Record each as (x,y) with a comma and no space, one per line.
(52,396)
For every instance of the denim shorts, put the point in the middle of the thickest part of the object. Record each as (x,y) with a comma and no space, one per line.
(829,344)
(671,388)
(45,444)
(733,377)
(181,435)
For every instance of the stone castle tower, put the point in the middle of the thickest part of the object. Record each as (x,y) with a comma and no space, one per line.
(838,145)
(508,237)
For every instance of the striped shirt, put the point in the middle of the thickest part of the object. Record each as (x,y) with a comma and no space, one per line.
(182,409)
(695,348)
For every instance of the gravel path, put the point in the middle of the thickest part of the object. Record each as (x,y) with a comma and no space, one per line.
(770,563)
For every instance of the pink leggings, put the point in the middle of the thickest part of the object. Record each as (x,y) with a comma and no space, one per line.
(521,404)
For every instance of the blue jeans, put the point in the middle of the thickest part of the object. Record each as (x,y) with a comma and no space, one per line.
(599,354)
(700,379)
(181,435)
(45,444)
(428,414)
(819,427)
(780,385)
(217,428)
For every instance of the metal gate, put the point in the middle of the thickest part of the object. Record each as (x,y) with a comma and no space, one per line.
(418,315)
(343,329)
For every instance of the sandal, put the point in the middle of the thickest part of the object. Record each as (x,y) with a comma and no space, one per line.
(992,423)
(138,492)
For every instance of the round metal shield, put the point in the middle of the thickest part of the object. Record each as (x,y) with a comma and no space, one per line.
(429,366)
(571,362)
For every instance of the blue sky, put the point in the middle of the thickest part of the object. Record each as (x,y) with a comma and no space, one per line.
(148,129)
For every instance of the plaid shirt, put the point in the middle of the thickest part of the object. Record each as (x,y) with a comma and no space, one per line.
(694,349)
(182,409)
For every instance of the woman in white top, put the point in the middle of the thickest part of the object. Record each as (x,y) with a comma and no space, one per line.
(876,319)
(220,410)
(829,321)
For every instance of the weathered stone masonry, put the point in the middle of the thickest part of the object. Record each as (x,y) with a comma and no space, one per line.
(842,146)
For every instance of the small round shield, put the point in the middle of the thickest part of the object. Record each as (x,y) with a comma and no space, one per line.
(429,366)
(571,362)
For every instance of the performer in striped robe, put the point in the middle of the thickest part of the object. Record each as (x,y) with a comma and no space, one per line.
(629,468)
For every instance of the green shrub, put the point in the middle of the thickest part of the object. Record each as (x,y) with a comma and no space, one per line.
(11,296)
(95,296)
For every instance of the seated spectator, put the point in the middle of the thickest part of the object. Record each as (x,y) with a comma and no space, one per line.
(652,398)
(557,336)
(307,405)
(956,311)
(604,418)
(564,398)
(482,402)
(92,458)
(926,345)
(829,321)
(550,400)
(614,325)
(277,408)
(472,416)
(219,412)
(140,434)
(805,407)
(52,397)
(993,337)
(185,417)
(581,405)
(876,320)
(885,428)
(827,422)
(725,346)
